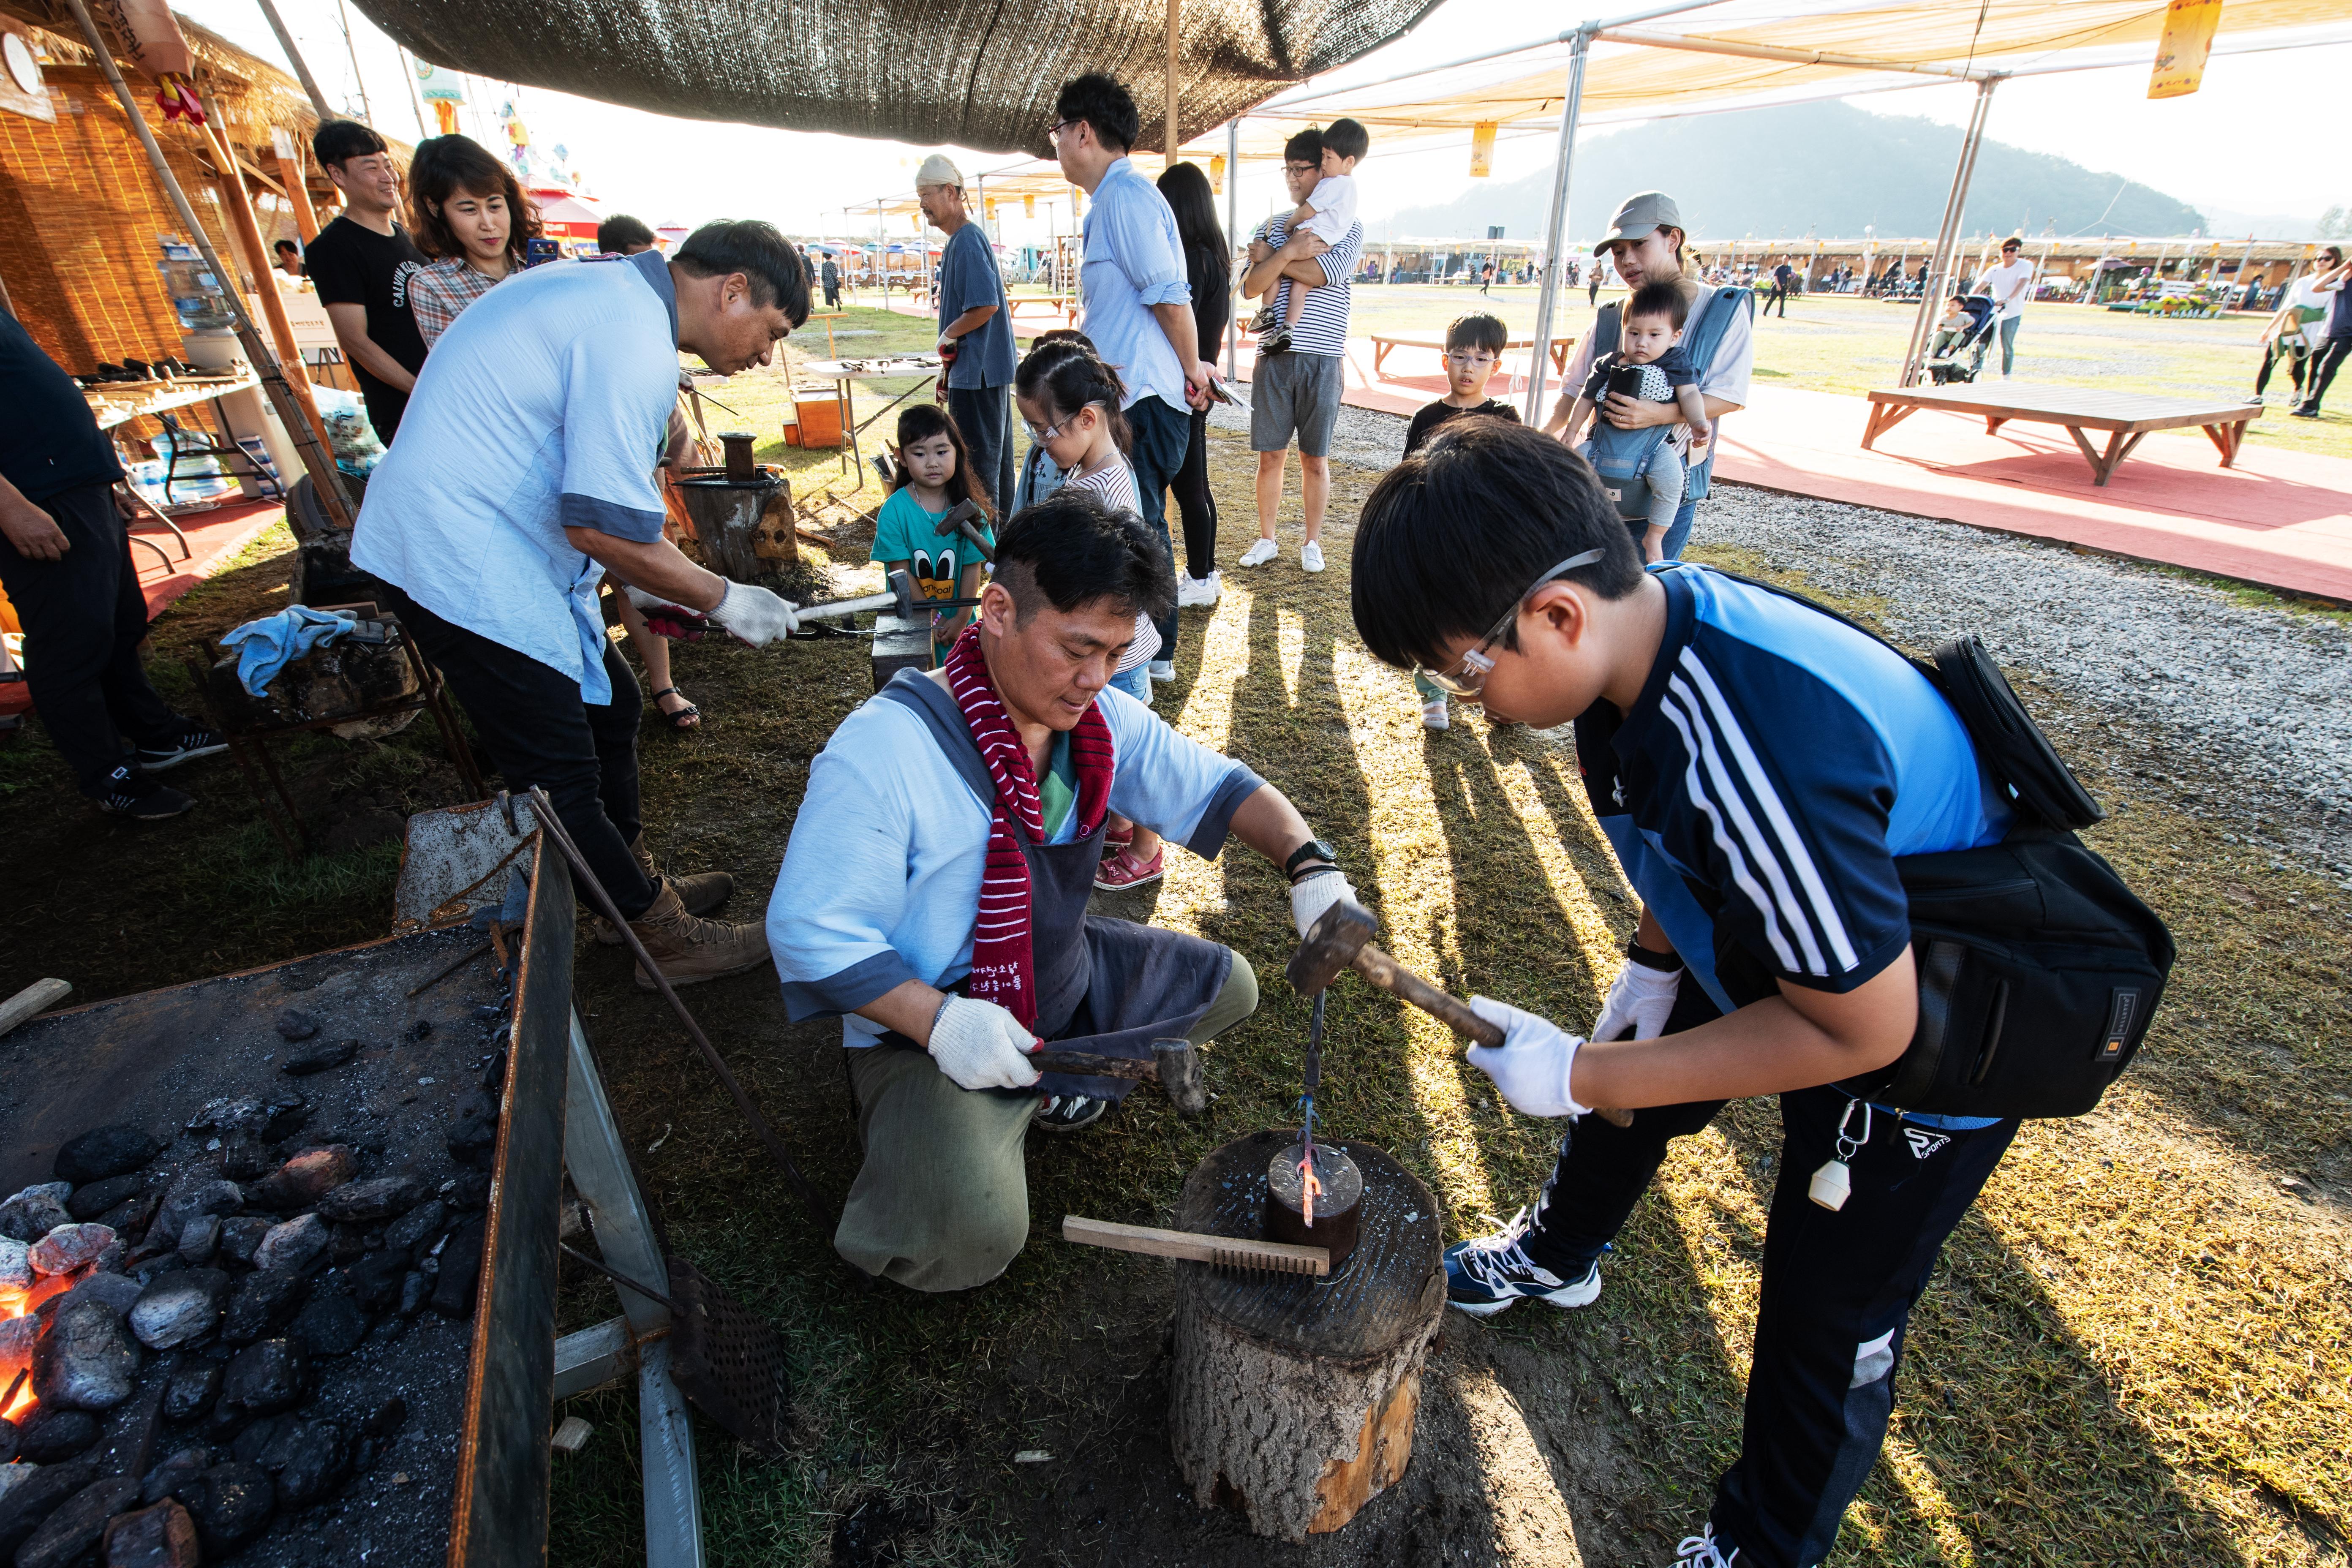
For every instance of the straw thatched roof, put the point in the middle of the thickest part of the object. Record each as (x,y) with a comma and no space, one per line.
(974,73)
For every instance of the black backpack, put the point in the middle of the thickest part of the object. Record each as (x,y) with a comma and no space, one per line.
(2039,968)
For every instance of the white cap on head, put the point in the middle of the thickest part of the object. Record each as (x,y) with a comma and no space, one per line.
(938,169)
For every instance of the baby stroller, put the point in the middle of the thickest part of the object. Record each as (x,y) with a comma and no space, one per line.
(1973,340)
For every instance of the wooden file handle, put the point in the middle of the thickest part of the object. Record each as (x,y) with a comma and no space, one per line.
(1227,1251)
(1394,978)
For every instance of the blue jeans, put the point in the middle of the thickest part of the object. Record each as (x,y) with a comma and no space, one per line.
(1677,536)
(1136,683)
(2008,343)
(1163,436)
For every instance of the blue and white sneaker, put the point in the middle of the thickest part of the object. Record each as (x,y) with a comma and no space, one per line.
(1488,1274)
(1703,1550)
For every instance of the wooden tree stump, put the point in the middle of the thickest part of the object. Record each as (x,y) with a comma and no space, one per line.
(1293,1398)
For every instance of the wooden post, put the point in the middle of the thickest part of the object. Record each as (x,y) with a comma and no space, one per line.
(292,412)
(1293,1398)
(264,281)
(291,174)
(302,66)
(1175,15)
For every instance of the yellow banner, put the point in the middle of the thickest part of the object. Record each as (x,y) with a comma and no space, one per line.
(1217,174)
(2180,53)
(1028,206)
(1482,149)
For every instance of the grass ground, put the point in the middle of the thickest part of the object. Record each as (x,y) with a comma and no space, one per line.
(2135,1350)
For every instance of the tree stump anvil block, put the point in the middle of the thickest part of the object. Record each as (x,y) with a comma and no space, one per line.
(1293,1398)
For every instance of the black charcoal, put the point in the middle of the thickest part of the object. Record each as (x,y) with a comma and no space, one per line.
(197,1192)
(192,1390)
(293,1245)
(461,1268)
(319,1058)
(375,1279)
(35,1497)
(262,1301)
(68,1248)
(161,1535)
(86,1360)
(308,1459)
(33,1212)
(178,1468)
(240,1234)
(330,1324)
(246,1160)
(415,1291)
(198,1238)
(376,1198)
(266,1378)
(70,1535)
(92,1201)
(420,1226)
(179,1307)
(231,1504)
(385,1418)
(294,1025)
(50,1436)
(116,1292)
(104,1152)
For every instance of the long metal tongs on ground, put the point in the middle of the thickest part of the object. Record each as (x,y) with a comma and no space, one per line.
(544,809)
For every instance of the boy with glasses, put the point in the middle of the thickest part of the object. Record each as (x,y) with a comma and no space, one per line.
(1474,348)
(1759,767)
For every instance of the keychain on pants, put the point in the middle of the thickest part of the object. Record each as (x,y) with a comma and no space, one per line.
(1833,1184)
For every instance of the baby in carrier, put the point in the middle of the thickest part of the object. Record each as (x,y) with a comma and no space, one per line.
(1648,363)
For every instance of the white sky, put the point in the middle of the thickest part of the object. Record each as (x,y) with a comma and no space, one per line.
(2232,145)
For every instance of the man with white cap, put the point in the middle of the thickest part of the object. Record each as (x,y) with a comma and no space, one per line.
(975,327)
(1644,244)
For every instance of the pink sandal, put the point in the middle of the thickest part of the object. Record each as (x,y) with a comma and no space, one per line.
(1123,870)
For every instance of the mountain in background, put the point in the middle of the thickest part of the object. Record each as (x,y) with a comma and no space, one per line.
(1831,168)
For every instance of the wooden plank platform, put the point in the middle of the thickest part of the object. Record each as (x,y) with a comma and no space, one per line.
(2126,417)
(1383,345)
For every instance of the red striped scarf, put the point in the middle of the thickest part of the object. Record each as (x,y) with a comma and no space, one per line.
(1001,954)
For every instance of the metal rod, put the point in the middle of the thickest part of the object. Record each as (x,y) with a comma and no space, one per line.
(353,49)
(290,411)
(617,1277)
(1564,162)
(1946,238)
(1172,134)
(1705,46)
(451,967)
(544,810)
(1232,223)
(301,68)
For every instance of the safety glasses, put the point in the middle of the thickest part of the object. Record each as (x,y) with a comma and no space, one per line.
(1466,677)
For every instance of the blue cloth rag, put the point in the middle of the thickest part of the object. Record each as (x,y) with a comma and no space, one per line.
(268,645)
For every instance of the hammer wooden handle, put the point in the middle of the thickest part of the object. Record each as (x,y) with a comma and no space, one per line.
(1086,1063)
(1224,1252)
(1393,977)
(40,996)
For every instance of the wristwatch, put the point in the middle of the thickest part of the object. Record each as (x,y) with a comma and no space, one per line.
(1313,849)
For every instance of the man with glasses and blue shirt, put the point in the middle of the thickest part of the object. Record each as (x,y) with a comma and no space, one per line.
(1758,766)
(1137,298)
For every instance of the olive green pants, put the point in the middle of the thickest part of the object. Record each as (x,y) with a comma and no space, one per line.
(941,1202)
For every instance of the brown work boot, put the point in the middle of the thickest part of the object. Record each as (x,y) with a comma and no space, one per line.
(701,893)
(689,949)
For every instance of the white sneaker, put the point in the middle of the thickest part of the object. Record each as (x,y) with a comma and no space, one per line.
(1704,1551)
(1258,554)
(1199,592)
(1434,715)
(1163,670)
(1311,557)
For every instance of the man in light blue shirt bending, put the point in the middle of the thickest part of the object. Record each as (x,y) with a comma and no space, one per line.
(525,471)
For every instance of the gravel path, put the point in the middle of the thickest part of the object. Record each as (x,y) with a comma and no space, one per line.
(2236,711)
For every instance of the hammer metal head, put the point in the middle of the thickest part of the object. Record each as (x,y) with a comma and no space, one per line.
(1332,944)
(1180,1075)
(964,518)
(902,584)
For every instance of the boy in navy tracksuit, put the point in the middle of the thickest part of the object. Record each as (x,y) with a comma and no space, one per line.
(1758,766)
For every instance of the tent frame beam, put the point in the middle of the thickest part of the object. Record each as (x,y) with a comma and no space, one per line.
(1939,265)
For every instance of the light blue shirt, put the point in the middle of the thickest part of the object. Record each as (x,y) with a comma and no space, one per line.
(880,882)
(543,406)
(1134,260)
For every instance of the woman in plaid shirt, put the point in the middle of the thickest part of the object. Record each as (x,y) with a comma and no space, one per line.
(468,211)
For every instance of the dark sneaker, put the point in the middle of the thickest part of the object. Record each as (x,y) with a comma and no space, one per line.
(1484,1276)
(1276,341)
(184,747)
(1265,321)
(1068,1112)
(127,791)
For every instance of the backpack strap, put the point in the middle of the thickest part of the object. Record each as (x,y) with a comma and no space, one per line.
(1700,343)
(1606,330)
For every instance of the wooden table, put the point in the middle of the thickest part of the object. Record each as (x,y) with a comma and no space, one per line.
(842,373)
(2125,417)
(1382,345)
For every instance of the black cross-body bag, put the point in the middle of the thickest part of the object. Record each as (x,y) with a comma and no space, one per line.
(2039,969)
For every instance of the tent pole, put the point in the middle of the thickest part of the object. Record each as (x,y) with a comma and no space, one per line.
(290,411)
(354,50)
(248,229)
(1175,15)
(301,68)
(415,100)
(1946,238)
(1232,222)
(1555,225)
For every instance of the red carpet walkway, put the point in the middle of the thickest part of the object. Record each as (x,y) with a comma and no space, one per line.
(215,538)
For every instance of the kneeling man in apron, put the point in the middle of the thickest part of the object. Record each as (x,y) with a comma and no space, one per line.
(934,893)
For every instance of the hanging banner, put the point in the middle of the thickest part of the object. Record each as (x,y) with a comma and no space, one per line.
(1482,149)
(1028,206)
(434,85)
(145,34)
(1217,174)
(2180,53)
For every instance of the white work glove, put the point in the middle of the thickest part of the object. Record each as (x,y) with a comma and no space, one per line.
(754,614)
(1311,896)
(1532,1064)
(1638,1003)
(982,1046)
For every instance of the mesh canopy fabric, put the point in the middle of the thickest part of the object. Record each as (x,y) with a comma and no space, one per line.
(971,73)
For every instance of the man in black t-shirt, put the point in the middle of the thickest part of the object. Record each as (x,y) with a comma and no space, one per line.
(360,264)
(65,560)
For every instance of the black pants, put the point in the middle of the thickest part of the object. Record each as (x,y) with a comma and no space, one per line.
(1838,1289)
(83,618)
(1196,503)
(1780,297)
(1162,435)
(984,416)
(531,719)
(832,296)
(2272,355)
(2330,353)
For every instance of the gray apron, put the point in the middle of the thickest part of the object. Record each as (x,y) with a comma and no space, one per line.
(1104,985)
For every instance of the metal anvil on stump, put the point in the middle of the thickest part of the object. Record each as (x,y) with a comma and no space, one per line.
(1293,1398)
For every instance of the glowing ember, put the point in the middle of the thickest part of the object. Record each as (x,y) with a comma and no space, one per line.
(1308,1186)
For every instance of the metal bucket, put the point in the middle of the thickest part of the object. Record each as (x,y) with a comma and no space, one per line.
(745,526)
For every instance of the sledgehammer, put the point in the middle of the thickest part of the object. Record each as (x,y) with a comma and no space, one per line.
(963,517)
(1174,1063)
(901,600)
(1341,939)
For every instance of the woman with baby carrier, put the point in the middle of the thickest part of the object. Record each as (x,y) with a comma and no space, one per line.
(1645,245)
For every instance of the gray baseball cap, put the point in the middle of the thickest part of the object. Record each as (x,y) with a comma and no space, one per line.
(1641,215)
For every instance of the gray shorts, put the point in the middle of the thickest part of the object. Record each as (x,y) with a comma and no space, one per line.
(1293,393)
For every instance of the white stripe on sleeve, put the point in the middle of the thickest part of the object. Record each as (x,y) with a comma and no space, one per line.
(1742,822)
(1740,872)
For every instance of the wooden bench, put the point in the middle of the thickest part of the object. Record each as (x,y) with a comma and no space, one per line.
(1382,345)
(2125,417)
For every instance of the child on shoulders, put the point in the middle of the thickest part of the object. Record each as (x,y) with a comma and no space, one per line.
(1649,365)
(1473,351)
